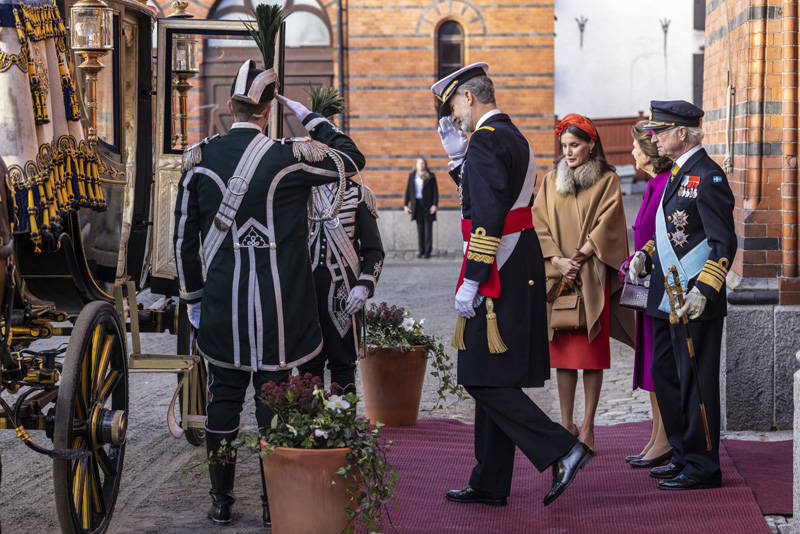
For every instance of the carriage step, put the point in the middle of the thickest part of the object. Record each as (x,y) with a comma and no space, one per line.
(160,363)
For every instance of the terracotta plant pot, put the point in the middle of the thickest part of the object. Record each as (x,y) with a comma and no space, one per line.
(392,382)
(302,499)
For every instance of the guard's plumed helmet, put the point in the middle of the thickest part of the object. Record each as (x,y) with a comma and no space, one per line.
(253,85)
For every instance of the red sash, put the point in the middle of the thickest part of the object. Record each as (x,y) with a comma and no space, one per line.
(516,221)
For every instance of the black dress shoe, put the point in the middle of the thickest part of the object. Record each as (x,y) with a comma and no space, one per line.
(682,482)
(420,254)
(629,459)
(469,495)
(565,469)
(666,471)
(653,462)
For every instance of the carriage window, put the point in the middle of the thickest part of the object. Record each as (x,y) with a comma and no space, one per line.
(200,75)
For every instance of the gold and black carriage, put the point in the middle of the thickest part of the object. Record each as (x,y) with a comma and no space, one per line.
(101,110)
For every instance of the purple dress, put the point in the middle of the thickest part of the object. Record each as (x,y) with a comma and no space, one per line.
(643,230)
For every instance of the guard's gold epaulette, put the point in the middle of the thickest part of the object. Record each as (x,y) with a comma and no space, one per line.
(194,154)
(368,197)
(305,148)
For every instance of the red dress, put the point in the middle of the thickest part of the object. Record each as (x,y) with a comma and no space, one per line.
(572,350)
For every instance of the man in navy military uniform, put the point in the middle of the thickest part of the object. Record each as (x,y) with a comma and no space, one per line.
(502,332)
(695,233)
(243,197)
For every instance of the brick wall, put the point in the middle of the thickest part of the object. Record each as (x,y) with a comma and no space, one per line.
(391,63)
(746,38)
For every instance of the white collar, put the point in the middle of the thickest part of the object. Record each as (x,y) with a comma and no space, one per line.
(245,125)
(486,117)
(683,158)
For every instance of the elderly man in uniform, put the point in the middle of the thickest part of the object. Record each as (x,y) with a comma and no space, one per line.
(500,299)
(695,233)
(243,196)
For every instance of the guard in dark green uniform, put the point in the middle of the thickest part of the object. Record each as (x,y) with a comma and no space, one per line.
(243,197)
(347,258)
(695,233)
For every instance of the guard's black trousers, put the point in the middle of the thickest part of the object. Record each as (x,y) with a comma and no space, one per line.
(226,391)
(506,417)
(339,352)
(674,383)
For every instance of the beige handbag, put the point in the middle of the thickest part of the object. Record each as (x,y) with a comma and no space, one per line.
(567,313)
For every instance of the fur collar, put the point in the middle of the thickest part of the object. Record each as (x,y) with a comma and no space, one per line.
(571,181)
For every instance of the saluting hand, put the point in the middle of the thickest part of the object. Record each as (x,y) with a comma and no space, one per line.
(300,111)
(454,140)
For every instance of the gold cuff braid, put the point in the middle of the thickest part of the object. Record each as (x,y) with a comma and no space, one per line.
(649,248)
(482,248)
(714,273)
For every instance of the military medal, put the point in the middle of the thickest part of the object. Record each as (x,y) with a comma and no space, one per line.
(680,218)
(679,237)
(689,189)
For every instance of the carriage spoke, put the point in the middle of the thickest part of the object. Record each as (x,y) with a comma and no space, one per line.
(104,462)
(78,479)
(97,488)
(85,513)
(109,385)
(105,360)
(94,348)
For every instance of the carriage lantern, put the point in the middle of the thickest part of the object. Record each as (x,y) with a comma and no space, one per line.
(184,66)
(91,27)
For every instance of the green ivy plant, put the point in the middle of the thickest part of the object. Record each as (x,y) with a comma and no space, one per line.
(308,417)
(393,327)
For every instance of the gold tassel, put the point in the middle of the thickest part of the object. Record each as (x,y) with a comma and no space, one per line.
(496,345)
(458,334)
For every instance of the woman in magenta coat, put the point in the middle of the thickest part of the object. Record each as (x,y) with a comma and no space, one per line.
(645,153)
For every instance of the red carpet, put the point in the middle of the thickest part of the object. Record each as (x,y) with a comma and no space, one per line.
(607,497)
(767,468)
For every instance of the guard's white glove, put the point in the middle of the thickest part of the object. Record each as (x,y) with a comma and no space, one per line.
(465,298)
(693,304)
(454,140)
(300,111)
(356,299)
(193,311)
(637,266)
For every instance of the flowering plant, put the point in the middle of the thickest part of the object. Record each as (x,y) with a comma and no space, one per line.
(393,327)
(308,417)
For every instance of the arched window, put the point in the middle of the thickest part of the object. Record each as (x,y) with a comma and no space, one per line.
(449,48)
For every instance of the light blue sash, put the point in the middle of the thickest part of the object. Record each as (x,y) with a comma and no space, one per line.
(688,267)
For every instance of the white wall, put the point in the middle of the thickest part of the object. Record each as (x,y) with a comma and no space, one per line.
(622,65)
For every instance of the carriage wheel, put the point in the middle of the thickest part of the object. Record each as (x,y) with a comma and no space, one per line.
(187,344)
(91,415)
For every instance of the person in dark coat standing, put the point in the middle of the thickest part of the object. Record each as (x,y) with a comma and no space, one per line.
(500,299)
(421,201)
(695,233)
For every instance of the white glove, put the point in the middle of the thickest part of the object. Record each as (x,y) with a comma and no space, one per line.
(193,311)
(300,111)
(637,266)
(356,299)
(693,304)
(465,298)
(454,140)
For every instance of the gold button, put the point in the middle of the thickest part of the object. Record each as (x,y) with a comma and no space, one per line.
(530,282)
(669,217)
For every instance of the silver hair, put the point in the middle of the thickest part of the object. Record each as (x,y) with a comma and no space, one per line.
(694,134)
(480,86)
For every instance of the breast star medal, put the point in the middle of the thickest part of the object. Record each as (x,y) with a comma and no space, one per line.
(679,237)
(680,218)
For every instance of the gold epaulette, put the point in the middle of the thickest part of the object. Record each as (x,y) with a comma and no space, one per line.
(482,248)
(486,128)
(714,273)
(194,154)
(649,248)
(368,197)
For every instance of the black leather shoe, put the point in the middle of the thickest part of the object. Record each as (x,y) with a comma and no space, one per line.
(629,459)
(565,469)
(682,482)
(666,471)
(469,495)
(653,462)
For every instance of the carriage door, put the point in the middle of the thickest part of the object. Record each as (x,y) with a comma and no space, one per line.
(196,68)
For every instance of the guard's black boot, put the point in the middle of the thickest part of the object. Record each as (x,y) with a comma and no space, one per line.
(221,470)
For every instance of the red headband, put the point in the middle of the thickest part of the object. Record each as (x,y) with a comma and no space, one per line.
(580,122)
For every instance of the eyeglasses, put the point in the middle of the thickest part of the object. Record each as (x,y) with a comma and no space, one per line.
(656,133)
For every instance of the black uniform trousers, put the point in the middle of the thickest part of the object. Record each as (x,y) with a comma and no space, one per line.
(673,380)
(339,352)
(226,392)
(425,233)
(506,417)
